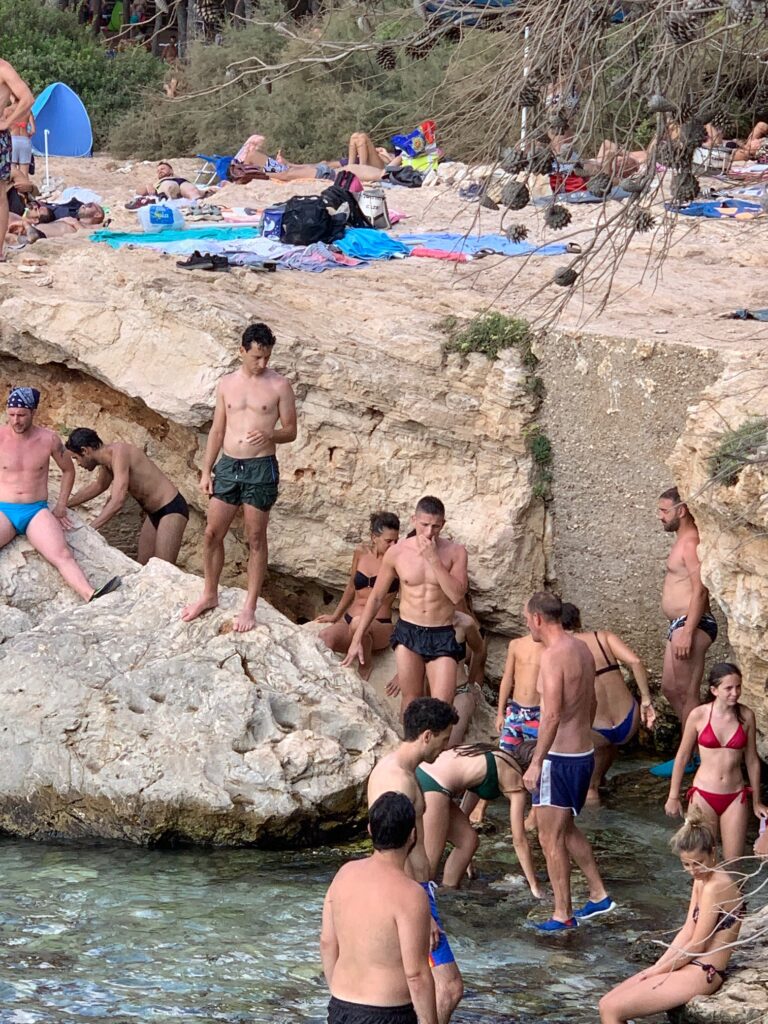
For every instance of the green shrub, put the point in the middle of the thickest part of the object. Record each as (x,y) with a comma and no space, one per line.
(46,45)
(736,448)
(539,447)
(489,334)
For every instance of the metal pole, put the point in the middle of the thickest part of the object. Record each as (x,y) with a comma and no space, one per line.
(46,133)
(524,111)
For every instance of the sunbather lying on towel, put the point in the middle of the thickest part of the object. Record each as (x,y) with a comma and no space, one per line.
(39,223)
(755,147)
(171,186)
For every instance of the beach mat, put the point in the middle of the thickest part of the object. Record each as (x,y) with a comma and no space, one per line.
(471,245)
(709,208)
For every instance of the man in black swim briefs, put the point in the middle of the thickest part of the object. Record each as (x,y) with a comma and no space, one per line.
(375,936)
(249,404)
(129,471)
(433,580)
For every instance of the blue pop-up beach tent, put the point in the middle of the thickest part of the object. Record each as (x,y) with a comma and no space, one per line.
(60,110)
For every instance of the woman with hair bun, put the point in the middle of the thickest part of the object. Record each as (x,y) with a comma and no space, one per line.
(696,960)
(366,562)
(725,732)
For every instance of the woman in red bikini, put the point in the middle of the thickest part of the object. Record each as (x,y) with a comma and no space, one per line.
(696,960)
(342,622)
(725,732)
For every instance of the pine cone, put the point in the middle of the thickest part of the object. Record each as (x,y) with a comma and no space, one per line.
(565,277)
(487,203)
(557,217)
(722,121)
(658,104)
(517,233)
(682,27)
(420,47)
(530,90)
(386,58)
(741,11)
(685,188)
(643,221)
(634,185)
(515,195)
(540,161)
(558,122)
(599,185)
(513,161)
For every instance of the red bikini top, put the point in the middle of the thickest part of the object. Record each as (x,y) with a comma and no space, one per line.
(708,739)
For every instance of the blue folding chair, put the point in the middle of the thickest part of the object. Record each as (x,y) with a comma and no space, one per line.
(214,168)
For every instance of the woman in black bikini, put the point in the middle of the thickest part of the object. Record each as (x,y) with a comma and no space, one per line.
(385,531)
(718,788)
(695,962)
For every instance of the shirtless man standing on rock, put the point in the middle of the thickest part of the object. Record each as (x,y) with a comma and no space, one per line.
(427,726)
(376,929)
(129,470)
(433,580)
(685,602)
(16,102)
(25,453)
(563,762)
(249,404)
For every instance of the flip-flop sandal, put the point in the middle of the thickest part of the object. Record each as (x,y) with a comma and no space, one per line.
(196,262)
(107,588)
(482,253)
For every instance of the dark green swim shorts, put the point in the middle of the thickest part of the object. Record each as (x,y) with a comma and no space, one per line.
(247,481)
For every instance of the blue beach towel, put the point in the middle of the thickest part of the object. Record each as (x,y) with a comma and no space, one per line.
(370,244)
(448,241)
(708,208)
(117,239)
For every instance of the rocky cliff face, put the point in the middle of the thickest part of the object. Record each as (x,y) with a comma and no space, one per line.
(122,722)
(731,510)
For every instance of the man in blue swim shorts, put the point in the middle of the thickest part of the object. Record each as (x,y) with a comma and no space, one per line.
(427,726)
(563,761)
(26,452)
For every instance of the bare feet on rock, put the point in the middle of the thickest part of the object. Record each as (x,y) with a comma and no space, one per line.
(196,609)
(245,621)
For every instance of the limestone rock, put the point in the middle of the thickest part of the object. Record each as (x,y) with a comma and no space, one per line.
(733,519)
(122,722)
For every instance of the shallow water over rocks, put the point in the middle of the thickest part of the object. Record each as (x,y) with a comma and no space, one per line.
(123,934)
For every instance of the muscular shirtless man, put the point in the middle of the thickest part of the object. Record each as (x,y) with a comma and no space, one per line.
(564,760)
(685,602)
(15,105)
(427,726)
(433,580)
(25,452)
(376,929)
(249,405)
(129,471)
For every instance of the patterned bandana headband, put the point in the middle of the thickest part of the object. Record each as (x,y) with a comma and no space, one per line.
(23,398)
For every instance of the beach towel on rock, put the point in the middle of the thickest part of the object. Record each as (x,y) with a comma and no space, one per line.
(370,244)
(470,245)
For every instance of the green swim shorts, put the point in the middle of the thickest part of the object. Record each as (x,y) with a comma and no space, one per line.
(247,481)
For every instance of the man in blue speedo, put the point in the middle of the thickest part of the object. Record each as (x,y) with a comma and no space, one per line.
(25,454)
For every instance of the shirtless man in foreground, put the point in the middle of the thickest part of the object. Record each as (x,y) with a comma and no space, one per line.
(433,580)
(16,102)
(685,602)
(129,471)
(25,453)
(518,711)
(427,726)
(249,404)
(376,929)
(563,761)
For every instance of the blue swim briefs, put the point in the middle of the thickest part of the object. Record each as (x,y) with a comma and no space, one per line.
(564,781)
(443,954)
(21,514)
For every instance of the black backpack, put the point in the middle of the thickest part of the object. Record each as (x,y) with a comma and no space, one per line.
(335,196)
(306,220)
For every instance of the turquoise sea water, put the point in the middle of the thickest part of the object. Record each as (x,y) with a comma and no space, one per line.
(121,934)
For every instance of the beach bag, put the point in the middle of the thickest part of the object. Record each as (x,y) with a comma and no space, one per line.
(160,217)
(339,200)
(273,222)
(373,204)
(306,219)
(405,176)
(348,181)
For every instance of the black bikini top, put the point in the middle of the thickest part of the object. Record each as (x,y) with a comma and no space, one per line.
(608,667)
(361,582)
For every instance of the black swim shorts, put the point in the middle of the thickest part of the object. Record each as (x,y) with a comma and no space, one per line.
(176,506)
(429,642)
(342,1012)
(247,481)
(6,148)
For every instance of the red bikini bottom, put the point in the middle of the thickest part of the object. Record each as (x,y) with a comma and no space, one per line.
(720,802)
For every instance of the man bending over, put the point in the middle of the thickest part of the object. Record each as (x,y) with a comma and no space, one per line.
(25,453)
(129,471)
